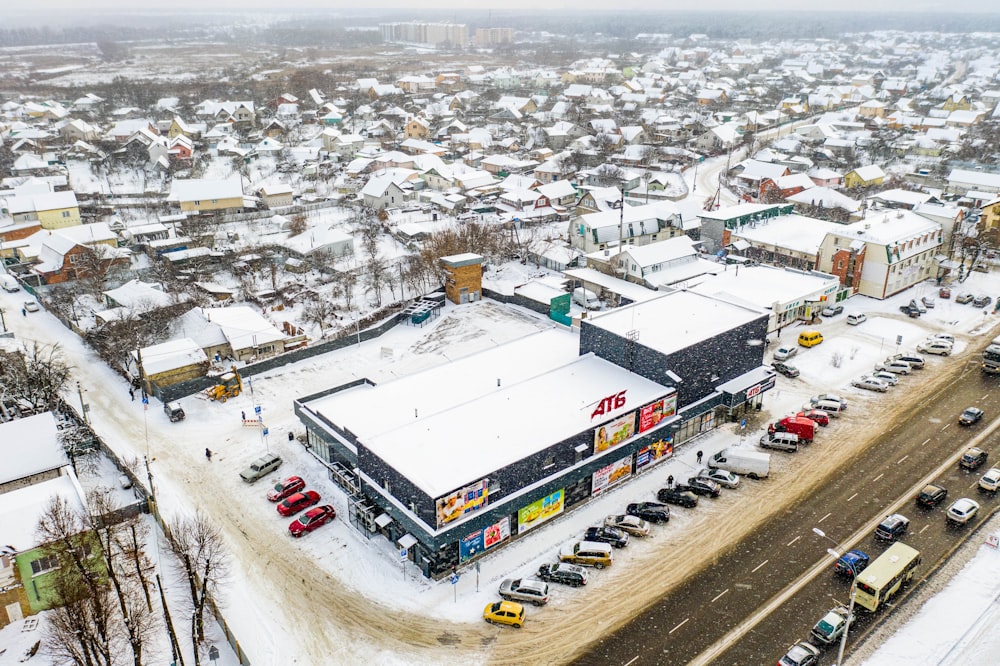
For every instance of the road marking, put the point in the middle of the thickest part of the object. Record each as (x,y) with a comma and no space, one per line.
(720,595)
(902,459)
(986,395)
(631,661)
(878,477)
(852,497)
(759,566)
(946,427)
(824,517)
(679,626)
(924,528)
(973,485)
(793,541)
(925,441)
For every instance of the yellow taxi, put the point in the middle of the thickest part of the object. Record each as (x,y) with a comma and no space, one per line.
(504,612)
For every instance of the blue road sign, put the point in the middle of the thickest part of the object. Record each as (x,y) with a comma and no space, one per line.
(454,579)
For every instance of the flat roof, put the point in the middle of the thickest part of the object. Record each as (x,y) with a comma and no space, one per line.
(792,232)
(675,320)
(30,445)
(445,439)
(762,286)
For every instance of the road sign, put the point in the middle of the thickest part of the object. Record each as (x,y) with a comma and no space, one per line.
(743,423)
(454,579)
(256,409)
(899,340)
(402,553)
(265,431)
(213,652)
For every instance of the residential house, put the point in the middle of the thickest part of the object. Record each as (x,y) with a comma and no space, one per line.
(276,195)
(241,333)
(962,181)
(866,176)
(635,225)
(201,195)
(170,363)
(37,203)
(382,192)
(784,240)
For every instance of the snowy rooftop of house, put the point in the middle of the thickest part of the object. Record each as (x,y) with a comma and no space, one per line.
(907,197)
(539,375)
(675,320)
(21,509)
(630,290)
(136,293)
(793,232)
(199,189)
(666,250)
(762,286)
(172,355)
(887,227)
(733,212)
(28,446)
(539,291)
(980,178)
(243,326)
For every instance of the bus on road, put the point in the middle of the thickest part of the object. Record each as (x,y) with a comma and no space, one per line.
(885,576)
(991,359)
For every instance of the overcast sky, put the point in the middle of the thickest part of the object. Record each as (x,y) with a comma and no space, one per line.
(41,6)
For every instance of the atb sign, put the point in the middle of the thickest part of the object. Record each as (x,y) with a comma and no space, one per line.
(753,391)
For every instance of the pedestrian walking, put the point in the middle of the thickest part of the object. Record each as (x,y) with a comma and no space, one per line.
(208,454)
(131,393)
(243,415)
(700,454)
(24,313)
(670,481)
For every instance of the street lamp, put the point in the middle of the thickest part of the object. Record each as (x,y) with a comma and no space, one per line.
(854,590)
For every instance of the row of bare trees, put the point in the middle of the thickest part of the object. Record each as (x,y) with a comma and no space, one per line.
(103,579)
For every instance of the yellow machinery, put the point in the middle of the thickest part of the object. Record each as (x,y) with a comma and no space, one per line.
(230,385)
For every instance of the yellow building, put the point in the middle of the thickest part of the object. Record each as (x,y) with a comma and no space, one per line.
(53,210)
(202,195)
(991,215)
(865,176)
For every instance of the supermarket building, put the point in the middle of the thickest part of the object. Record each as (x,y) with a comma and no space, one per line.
(457,460)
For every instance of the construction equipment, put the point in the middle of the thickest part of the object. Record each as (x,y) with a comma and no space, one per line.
(230,385)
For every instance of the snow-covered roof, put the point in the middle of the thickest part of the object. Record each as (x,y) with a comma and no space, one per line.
(243,326)
(695,318)
(792,232)
(762,286)
(199,189)
(21,509)
(171,355)
(539,375)
(28,446)
(136,293)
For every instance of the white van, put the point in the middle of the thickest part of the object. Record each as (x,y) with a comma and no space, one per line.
(586,298)
(856,318)
(831,407)
(782,441)
(753,464)
(9,283)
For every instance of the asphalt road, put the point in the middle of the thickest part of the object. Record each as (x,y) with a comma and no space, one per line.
(766,593)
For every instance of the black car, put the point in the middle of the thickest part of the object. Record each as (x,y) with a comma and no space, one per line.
(970,415)
(785,369)
(981,301)
(561,572)
(677,496)
(909,311)
(653,512)
(699,485)
(932,495)
(973,458)
(610,535)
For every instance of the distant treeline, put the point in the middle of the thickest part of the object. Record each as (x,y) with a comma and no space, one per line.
(328,29)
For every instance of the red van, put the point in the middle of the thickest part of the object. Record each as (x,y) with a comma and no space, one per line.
(803,427)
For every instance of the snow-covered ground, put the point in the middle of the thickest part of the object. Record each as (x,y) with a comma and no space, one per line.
(364,579)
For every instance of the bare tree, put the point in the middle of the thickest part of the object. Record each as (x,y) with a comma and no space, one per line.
(297,224)
(94,266)
(318,311)
(345,282)
(38,374)
(198,544)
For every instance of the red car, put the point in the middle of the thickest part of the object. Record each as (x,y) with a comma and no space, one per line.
(297,502)
(312,519)
(292,484)
(818,415)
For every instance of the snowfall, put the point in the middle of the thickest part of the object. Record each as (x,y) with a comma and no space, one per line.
(956,625)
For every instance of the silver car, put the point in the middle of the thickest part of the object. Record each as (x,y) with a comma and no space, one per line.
(723,477)
(831,626)
(527,590)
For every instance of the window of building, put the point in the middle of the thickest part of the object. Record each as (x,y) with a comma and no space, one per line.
(74,258)
(43,564)
(215,201)
(197,203)
(65,213)
(549,462)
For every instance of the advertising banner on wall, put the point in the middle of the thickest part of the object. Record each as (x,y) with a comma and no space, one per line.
(651,415)
(539,511)
(615,432)
(464,500)
(611,474)
(655,452)
(475,543)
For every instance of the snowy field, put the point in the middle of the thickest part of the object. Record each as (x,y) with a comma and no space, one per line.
(272,590)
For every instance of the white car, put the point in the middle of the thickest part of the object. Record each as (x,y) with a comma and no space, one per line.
(785,352)
(962,511)
(939,347)
(947,337)
(886,377)
(990,481)
(723,477)
(870,384)
(895,367)
(31,306)
(856,318)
